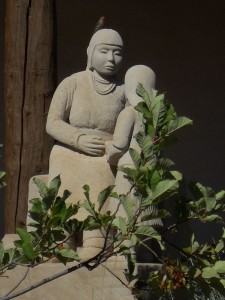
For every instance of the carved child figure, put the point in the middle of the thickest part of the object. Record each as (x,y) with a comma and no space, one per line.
(129,123)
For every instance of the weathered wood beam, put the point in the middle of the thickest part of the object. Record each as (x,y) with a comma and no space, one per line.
(29,84)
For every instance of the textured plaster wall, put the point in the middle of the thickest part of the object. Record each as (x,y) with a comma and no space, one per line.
(183,42)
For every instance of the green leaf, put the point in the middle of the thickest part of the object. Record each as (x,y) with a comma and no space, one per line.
(2,176)
(37,210)
(176,124)
(1,253)
(219,267)
(170,115)
(131,267)
(157,214)
(91,224)
(148,231)
(141,91)
(89,207)
(134,239)
(59,208)
(147,146)
(128,205)
(28,250)
(69,253)
(210,203)
(219,246)
(25,236)
(158,111)
(131,173)
(177,175)
(222,281)
(10,253)
(223,233)
(54,221)
(66,194)
(199,191)
(55,183)
(71,211)
(194,243)
(164,189)
(146,202)
(86,189)
(50,197)
(212,218)
(165,163)
(120,223)
(135,157)
(220,195)
(142,108)
(155,178)
(18,243)
(43,189)
(139,137)
(209,272)
(103,196)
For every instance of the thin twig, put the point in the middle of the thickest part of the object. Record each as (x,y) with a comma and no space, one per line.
(152,251)
(185,254)
(19,283)
(51,278)
(121,281)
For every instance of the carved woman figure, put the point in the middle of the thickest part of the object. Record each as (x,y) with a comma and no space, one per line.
(82,117)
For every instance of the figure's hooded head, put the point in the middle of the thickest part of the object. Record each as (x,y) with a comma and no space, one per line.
(105,37)
(135,75)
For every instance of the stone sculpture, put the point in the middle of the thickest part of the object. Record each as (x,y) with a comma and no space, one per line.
(82,117)
(129,123)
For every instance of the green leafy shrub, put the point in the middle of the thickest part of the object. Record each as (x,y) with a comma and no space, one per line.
(197,269)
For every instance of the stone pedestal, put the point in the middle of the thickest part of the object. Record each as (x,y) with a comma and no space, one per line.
(98,284)
(81,284)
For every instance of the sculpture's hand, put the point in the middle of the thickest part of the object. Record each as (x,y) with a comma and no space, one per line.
(91,144)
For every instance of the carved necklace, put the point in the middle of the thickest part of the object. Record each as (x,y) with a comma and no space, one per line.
(102,86)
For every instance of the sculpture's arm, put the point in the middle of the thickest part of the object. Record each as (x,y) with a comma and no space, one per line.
(59,128)
(122,135)
(57,125)
(124,128)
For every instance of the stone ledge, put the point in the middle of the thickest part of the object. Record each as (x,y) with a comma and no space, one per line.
(98,284)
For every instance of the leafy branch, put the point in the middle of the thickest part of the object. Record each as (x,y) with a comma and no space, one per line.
(197,267)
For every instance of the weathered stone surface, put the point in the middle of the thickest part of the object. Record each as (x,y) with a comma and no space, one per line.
(98,284)
(82,284)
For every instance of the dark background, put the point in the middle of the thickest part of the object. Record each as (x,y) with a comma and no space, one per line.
(183,42)
(2,8)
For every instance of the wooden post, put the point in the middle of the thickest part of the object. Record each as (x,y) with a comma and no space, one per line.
(29,85)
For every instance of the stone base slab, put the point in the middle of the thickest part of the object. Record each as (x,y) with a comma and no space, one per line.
(79,285)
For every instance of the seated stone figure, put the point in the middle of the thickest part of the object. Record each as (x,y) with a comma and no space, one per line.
(82,117)
(129,123)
